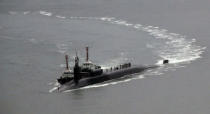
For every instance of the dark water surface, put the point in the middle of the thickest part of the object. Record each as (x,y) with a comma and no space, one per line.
(35,35)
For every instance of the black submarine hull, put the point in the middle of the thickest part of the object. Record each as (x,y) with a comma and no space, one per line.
(105,77)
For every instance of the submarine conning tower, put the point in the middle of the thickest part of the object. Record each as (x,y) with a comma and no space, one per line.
(77,70)
(87,69)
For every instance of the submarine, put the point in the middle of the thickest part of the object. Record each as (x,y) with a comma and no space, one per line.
(88,73)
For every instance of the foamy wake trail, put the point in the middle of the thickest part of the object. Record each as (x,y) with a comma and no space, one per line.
(45,13)
(56,86)
(53,89)
(175,47)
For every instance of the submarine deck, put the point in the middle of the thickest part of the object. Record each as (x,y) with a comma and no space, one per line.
(106,76)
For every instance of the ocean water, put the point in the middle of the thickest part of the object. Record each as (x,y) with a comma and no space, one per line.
(35,35)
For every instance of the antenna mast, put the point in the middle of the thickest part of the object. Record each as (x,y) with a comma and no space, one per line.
(87,54)
(67,63)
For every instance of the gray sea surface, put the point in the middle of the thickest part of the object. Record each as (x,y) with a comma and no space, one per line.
(36,34)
